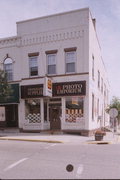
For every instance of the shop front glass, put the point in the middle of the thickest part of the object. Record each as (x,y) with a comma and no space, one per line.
(74,109)
(45,110)
(32,110)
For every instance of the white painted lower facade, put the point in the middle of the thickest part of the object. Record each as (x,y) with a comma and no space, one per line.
(79,124)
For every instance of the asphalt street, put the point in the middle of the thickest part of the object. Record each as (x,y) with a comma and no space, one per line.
(36,160)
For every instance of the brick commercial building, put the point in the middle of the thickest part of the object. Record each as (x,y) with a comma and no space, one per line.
(58,77)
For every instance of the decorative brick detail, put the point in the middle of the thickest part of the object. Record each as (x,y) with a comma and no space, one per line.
(59,35)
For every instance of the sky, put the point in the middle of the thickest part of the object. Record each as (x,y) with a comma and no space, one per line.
(106,13)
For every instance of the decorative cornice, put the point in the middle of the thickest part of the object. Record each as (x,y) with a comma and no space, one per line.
(50,37)
(46,37)
(9,42)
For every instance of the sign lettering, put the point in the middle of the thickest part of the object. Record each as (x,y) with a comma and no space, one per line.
(31,91)
(69,88)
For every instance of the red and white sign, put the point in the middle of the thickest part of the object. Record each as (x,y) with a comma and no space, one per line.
(47,87)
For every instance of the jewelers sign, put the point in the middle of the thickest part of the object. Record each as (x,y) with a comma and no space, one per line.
(75,88)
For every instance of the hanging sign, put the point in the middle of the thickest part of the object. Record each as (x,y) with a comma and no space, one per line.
(47,87)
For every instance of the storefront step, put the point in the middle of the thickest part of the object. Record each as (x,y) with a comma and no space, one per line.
(9,130)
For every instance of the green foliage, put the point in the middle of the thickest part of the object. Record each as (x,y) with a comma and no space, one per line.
(5,88)
(115,103)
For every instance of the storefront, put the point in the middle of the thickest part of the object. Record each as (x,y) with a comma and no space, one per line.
(9,108)
(32,95)
(65,107)
(73,97)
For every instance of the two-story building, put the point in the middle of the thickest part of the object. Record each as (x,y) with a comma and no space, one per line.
(55,68)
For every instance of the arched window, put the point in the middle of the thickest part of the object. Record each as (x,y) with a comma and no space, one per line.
(8,68)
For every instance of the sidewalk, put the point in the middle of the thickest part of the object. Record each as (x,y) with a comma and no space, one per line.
(110,138)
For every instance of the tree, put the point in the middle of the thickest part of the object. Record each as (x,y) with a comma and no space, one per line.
(115,103)
(5,88)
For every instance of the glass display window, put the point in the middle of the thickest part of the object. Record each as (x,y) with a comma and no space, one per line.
(45,111)
(74,109)
(32,110)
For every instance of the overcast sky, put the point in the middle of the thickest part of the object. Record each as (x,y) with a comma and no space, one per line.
(106,12)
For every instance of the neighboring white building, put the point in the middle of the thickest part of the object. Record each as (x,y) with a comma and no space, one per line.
(62,49)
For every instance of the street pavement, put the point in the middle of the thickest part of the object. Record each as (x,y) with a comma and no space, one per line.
(47,156)
(33,160)
(109,138)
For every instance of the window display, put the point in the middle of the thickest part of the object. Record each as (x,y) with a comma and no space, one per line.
(32,110)
(74,109)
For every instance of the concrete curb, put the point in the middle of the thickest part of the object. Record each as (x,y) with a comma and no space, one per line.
(31,140)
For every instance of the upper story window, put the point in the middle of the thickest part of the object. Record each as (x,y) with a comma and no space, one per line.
(70,60)
(98,79)
(102,85)
(51,61)
(33,64)
(93,67)
(93,99)
(8,68)
(104,90)
(98,107)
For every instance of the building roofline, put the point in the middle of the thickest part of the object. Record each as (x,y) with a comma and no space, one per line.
(9,38)
(52,15)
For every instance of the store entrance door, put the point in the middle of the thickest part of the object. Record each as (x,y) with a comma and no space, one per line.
(11,113)
(55,121)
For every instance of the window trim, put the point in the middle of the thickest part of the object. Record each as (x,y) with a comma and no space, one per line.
(70,49)
(51,52)
(33,54)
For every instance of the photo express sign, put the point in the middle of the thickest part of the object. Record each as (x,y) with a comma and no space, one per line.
(76,88)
